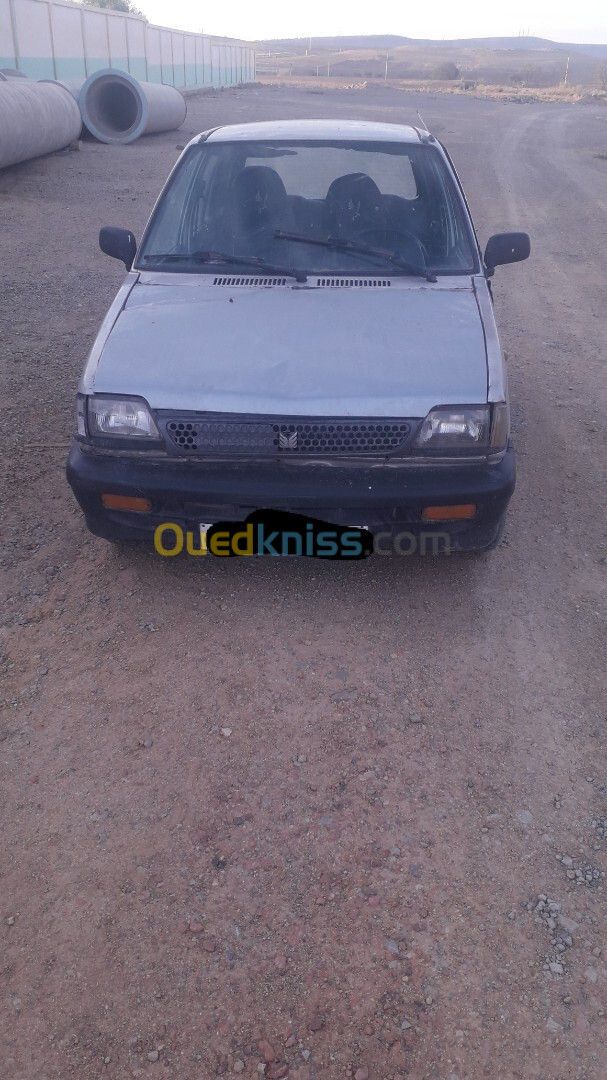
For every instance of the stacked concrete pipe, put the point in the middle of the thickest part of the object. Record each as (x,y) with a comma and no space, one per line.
(35,119)
(40,117)
(116,108)
(73,86)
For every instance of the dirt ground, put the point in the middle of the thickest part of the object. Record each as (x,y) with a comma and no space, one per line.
(347,884)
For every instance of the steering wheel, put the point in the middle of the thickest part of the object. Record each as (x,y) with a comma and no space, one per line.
(384,238)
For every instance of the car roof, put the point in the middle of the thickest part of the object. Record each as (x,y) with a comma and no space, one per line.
(331,130)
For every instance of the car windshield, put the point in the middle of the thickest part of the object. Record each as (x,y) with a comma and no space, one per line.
(311,207)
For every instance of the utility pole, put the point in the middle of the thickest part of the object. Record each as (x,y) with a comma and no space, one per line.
(567,71)
(328,68)
(386,71)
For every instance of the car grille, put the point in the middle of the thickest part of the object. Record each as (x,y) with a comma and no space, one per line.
(288,438)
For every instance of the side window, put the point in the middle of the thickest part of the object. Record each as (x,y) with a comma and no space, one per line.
(309,173)
(446,237)
(391,172)
(165,237)
(201,210)
(205,208)
(206,195)
(291,168)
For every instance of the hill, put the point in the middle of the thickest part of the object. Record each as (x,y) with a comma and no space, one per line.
(514,61)
(392,41)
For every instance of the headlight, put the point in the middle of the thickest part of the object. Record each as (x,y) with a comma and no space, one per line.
(124,417)
(464,429)
(455,428)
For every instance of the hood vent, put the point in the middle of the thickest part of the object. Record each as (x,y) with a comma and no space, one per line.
(354,283)
(253,282)
(256,282)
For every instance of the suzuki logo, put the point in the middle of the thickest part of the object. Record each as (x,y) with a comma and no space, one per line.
(287,440)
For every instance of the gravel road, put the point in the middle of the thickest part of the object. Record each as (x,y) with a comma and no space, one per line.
(387,867)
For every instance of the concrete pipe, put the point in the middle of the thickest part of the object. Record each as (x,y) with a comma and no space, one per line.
(116,108)
(73,86)
(35,118)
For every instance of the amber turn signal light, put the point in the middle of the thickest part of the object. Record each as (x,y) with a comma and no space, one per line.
(126,502)
(461,512)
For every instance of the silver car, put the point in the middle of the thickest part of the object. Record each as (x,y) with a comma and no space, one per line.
(306,326)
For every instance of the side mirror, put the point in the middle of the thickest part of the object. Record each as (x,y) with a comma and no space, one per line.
(507,247)
(119,244)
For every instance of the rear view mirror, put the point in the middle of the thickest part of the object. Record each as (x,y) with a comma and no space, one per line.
(119,244)
(506,247)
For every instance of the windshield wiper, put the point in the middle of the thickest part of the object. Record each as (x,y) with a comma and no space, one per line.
(334,243)
(225,257)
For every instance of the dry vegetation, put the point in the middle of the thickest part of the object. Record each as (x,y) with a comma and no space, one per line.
(521,74)
(523,95)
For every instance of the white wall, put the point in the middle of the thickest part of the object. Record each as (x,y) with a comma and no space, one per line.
(55,39)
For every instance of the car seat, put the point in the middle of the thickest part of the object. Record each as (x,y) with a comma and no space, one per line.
(258,204)
(354,205)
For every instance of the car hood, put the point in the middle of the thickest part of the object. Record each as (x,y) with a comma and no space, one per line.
(392,349)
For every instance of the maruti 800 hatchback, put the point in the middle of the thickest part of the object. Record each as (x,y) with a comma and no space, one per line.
(306,326)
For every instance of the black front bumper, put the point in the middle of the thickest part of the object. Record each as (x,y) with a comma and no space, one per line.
(385,499)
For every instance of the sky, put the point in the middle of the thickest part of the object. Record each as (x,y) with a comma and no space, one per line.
(582,21)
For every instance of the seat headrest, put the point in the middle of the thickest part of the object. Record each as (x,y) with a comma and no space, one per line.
(257,194)
(259,184)
(356,197)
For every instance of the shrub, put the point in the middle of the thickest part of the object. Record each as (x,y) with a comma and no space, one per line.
(446,70)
